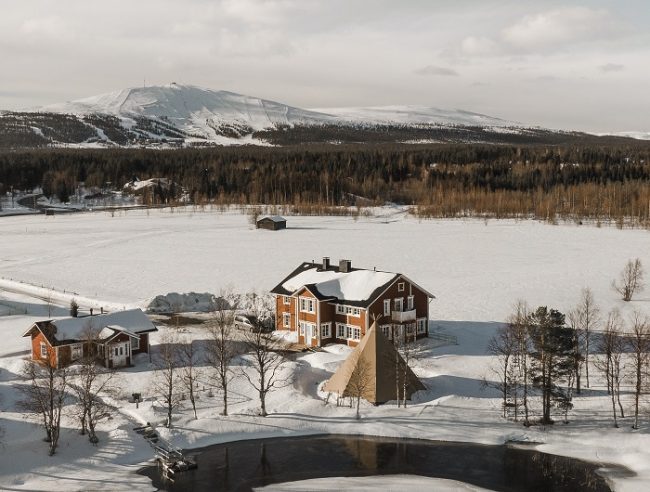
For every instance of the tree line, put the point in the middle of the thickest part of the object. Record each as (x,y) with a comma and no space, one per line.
(445,180)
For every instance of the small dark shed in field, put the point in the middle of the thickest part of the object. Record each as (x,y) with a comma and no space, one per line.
(272,223)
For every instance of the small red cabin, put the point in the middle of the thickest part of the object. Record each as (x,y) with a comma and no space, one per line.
(113,338)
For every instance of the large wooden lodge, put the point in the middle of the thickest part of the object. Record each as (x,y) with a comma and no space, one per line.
(328,303)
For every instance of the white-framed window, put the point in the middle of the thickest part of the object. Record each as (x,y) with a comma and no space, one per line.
(410,302)
(325,330)
(410,329)
(43,349)
(307,305)
(397,304)
(348,331)
(349,310)
(286,300)
(340,330)
(386,331)
(422,325)
(386,307)
(356,333)
(400,287)
(302,328)
(286,320)
(76,351)
(135,344)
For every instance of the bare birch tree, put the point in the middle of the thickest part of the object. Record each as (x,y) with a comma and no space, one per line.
(89,382)
(167,375)
(630,280)
(189,372)
(639,342)
(502,346)
(266,364)
(359,382)
(45,394)
(587,318)
(221,349)
(611,348)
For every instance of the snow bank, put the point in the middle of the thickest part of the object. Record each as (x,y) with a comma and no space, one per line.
(183,303)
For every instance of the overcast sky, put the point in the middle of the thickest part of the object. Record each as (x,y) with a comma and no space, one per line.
(562,64)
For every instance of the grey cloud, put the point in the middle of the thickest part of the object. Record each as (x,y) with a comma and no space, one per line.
(436,70)
(611,67)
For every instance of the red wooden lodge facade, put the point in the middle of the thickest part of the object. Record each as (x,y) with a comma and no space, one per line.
(337,304)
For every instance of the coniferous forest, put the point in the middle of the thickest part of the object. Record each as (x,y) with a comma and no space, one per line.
(591,181)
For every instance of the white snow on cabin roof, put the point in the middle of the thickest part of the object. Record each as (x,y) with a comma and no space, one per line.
(275,218)
(357,285)
(133,321)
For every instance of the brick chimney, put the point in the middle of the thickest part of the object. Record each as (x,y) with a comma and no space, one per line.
(345,266)
(326,262)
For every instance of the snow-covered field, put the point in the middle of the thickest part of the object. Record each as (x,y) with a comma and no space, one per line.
(476,270)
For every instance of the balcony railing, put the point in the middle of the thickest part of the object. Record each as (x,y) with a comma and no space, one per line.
(403,316)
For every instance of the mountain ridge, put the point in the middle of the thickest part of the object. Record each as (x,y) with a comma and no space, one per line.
(177,115)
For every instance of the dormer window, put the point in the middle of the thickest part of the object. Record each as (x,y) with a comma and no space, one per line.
(400,287)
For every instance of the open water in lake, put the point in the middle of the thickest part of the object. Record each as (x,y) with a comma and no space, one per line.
(242,465)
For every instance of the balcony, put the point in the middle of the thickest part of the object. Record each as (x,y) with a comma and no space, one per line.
(403,316)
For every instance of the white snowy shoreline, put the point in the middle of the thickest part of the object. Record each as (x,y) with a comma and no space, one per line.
(476,271)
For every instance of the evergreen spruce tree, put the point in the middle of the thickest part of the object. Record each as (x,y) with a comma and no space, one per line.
(552,358)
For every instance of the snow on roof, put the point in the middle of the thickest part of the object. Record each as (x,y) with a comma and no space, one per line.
(132,320)
(274,218)
(357,285)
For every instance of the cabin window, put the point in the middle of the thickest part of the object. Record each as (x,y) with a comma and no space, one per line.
(400,287)
(135,344)
(117,351)
(43,349)
(397,304)
(287,300)
(340,309)
(302,328)
(356,333)
(325,330)
(386,307)
(409,303)
(422,325)
(76,352)
(286,320)
(410,329)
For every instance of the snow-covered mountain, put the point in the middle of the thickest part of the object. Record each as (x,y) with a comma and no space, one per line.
(199,112)
(181,115)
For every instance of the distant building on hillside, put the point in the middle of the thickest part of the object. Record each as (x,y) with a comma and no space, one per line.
(272,223)
(112,338)
(338,304)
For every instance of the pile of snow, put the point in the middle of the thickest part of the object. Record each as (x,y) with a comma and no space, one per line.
(183,303)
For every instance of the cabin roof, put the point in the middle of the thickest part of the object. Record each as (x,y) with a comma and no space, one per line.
(69,330)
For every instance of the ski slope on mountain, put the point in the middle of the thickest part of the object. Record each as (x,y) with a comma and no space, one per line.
(414,115)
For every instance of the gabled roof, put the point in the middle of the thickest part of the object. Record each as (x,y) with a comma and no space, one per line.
(274,218)
(70,330)
(374,360)
(358,287)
